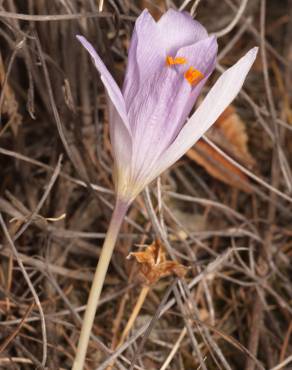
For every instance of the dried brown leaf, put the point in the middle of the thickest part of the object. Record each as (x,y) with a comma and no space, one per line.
(232,136)
(153,264)
(217,166)
(229,133)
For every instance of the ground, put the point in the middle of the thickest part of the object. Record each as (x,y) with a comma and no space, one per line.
(228,223)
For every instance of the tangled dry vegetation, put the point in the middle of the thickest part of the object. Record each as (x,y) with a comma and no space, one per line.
(224,215)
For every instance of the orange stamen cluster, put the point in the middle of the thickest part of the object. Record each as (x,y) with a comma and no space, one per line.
(193,76)
(170,61)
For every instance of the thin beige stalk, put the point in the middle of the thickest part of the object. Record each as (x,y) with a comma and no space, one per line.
(98,281)
(135,313)
(174,349)
(142,296)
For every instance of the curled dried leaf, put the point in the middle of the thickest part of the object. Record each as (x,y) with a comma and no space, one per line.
(229,133)
(219,167)
(153,264)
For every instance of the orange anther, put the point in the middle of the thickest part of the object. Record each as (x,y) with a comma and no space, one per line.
(193,76)
(170,61)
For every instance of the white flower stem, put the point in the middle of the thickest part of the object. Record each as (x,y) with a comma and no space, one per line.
(98,280)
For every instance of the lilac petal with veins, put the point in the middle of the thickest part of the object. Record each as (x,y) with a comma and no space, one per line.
(146,56)
(219,97)
(155,124)
(121,136)
(202,56)
(165,103)
(110,84)
(178,29)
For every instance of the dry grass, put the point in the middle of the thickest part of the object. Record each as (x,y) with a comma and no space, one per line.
(233,310)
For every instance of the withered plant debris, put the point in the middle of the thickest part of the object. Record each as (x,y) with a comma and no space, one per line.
(229,133)
(154,265)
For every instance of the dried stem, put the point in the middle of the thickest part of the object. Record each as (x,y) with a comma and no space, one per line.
(141,299)
(142,296)
(31,287)
(174,349)
(98,280)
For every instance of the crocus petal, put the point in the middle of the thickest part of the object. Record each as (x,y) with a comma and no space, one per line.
(201,56)
(164,103)
(151,115)
(220,96)
(146,55)
(132,76)
(120,133)
(179,29)
(111,86)
(121,147)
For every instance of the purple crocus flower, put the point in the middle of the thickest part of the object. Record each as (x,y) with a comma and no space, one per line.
(169,62)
